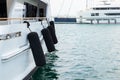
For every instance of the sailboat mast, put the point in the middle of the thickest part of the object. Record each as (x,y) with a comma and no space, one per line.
(86,4)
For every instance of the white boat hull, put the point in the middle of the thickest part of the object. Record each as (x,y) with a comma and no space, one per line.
(16,56)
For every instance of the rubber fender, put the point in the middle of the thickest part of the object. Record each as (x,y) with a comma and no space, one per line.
(36,48)
(52,24)
(48,40)
(53,34)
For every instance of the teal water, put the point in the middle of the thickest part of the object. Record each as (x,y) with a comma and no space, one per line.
(85,52)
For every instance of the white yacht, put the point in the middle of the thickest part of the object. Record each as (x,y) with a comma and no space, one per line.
(107,12)
(21,22)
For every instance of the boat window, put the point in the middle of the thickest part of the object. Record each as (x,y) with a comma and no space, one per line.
(31,10)
(41,12)
(107,8)
(112,14)
(97,14)
(3,9)
(42,9)
(94,14)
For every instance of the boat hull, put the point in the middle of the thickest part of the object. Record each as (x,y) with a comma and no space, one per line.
(16,56)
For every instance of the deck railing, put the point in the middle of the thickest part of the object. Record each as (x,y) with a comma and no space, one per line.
(26,18)
(4,21)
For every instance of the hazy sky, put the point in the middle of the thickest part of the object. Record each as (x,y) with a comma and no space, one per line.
(71,7)
(66,7)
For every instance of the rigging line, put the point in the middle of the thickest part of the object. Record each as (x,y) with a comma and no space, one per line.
(69,8)
(60,7)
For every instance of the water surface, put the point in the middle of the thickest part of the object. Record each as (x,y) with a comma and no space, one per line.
(85,52)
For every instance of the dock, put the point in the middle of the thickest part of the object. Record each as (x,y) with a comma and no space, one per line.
(82,20)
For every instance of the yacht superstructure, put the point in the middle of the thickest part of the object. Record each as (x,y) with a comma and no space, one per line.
(105,13)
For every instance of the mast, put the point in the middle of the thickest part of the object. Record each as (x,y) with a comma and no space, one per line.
(86,4)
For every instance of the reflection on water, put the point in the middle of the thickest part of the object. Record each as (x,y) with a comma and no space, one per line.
(47,72)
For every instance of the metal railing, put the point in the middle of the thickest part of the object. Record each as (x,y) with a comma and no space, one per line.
(26,18)
(21,20)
